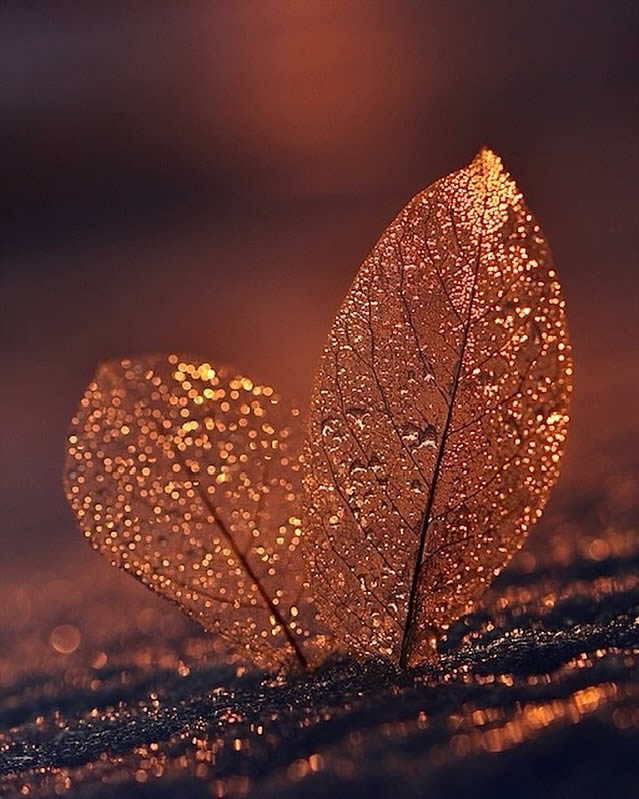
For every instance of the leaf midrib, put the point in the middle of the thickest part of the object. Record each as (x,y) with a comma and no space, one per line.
(405,649)
(245,564)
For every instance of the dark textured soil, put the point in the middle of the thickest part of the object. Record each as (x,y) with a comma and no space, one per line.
(536,694)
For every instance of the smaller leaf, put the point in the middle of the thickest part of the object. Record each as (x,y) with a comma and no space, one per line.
(187,476)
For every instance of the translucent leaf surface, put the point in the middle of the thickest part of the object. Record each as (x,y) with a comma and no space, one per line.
(187,476)
(438,415)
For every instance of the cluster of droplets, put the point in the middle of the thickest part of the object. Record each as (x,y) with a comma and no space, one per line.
(187,476)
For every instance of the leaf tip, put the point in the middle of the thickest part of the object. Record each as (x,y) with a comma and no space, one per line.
(488,159)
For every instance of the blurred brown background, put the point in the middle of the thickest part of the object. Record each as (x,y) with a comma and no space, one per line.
(206,177)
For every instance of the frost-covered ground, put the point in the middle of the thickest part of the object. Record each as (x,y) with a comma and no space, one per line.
(106,690)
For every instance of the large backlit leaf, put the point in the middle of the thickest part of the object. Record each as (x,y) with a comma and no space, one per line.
(438,415)
(187,476)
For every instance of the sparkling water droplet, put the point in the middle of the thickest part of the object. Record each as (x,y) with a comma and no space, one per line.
(416,437)
(357,416)
(411,434)
(377,467)
(428,436)
(329,426)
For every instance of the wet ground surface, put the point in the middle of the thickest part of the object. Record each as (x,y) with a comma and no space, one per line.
(105,690)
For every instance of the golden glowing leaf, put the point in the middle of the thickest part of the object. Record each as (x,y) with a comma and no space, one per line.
(438,415)
(187,476)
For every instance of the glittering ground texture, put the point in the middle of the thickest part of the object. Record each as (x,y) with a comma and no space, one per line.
(534,694)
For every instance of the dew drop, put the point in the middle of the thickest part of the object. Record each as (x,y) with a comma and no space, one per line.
(416,437)
(429,437)
(411,434)
(329,426)
(357,416)
(378,468)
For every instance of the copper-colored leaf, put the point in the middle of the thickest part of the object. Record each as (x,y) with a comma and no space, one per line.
(187,476)
(438,415)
